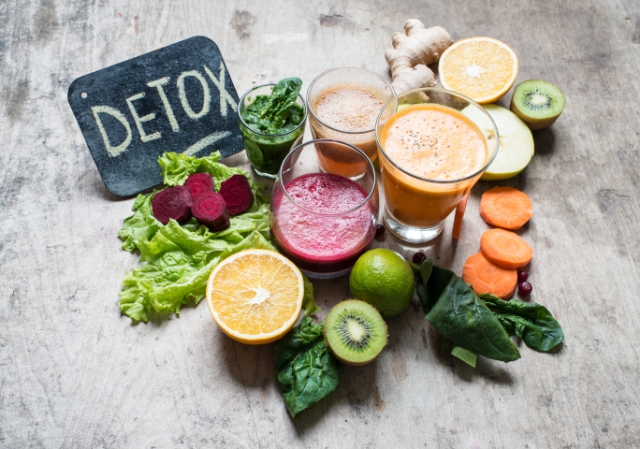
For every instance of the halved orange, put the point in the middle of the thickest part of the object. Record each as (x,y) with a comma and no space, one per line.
(482,68)
(255,296)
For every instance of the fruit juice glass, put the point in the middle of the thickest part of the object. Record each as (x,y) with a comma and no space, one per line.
(267,151)
(344,103)
(322,220)
(431,155)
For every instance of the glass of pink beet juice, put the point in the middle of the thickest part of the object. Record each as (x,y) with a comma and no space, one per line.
(324,221)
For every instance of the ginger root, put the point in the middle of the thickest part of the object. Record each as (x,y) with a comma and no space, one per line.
(412,51)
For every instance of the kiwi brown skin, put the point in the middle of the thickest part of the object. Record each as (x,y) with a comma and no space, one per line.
(352,362)
(533,123)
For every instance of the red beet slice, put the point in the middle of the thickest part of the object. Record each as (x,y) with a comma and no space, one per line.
(211,210)
(174,202)
(237,193)
(199,183)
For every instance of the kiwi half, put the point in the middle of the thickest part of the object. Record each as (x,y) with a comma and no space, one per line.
(355,332)
(538,103)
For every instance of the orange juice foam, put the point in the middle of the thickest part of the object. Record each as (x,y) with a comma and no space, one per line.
(349,107)
(432,142)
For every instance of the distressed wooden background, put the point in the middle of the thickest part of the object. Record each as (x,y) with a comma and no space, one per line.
(74,373)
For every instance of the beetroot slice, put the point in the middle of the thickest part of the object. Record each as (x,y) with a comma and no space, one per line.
(211,210)
(199,183)
(237,193)
(174,202)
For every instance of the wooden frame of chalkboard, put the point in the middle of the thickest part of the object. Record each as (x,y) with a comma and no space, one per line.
(178,98)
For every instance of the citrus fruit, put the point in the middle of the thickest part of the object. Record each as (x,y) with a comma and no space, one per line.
(383,279)
(482,68)
(255,296)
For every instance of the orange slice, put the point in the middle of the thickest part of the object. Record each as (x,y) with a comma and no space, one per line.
(255,296)
(482,68)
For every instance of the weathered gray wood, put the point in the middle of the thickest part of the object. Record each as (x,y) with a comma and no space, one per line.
(74,373)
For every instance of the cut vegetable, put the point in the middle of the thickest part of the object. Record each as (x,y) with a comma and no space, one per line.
(174,202)
(199,183)
(237,193)
(487,277)
(210,209)
(505,207)
(505,248)
(516,141)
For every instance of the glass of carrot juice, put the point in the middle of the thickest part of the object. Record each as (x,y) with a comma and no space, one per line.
(344,103)
(322,220)
(431,155)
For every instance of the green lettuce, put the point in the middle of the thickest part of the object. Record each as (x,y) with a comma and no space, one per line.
(307,371)
(179,258)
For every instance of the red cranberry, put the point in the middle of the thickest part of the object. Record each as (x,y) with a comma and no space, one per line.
(419,257)
(522,275)
(525,288)
(380,229)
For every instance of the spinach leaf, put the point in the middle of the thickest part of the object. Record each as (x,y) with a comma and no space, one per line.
(527,320)
(308,302)
(277,113)
(307,371)
(463,318)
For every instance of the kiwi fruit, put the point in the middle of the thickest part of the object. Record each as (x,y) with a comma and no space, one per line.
(355,332)
(538,103)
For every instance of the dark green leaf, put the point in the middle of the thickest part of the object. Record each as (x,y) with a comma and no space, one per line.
(463,318)
(527,320)
(307,371)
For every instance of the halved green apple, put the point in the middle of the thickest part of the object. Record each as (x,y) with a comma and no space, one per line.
(516,141)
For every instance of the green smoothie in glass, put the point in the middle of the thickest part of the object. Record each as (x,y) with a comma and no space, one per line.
(272,119)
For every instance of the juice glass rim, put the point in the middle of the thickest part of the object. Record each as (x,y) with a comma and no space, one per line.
(333,128)
(260,133)
(370,166)
(455,94)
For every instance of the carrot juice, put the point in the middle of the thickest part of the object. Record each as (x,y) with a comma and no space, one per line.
(431,155)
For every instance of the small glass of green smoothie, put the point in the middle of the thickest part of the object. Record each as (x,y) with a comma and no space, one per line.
(272,119)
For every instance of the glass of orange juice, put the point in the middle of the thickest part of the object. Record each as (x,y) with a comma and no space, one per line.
(431,155)
(344,103)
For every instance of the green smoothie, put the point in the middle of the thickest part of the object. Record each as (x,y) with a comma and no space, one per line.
(272,117)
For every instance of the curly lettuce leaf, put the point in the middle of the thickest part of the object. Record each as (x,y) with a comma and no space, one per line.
(178,274)
(307,371)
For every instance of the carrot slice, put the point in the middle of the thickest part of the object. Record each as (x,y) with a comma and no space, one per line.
(457,221)
(487,277)
(505,248)
(505,207)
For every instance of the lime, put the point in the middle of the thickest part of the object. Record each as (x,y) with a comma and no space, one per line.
(383,279)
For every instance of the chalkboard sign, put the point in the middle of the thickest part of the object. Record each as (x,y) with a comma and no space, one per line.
(178,98)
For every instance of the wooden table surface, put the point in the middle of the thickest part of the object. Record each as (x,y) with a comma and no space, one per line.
(74,373)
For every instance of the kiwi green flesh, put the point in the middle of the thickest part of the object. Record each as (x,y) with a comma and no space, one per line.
(355,332)
(538,103)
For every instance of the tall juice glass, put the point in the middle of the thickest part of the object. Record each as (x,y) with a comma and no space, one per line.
(431,154)
(344,103)
(322,220)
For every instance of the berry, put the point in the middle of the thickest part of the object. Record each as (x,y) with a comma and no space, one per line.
(419,257)
(525,288)
(380,229)
(522,275)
